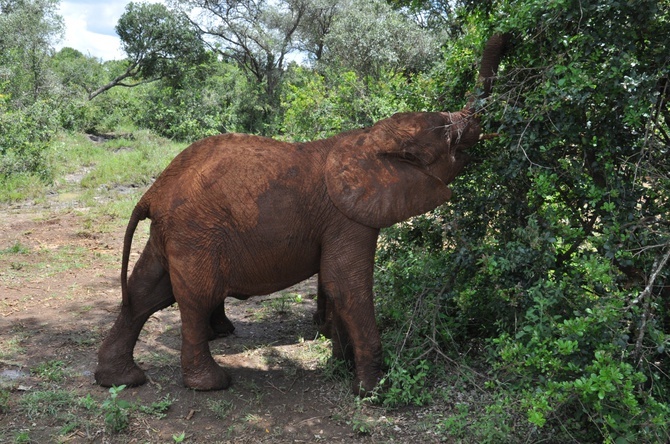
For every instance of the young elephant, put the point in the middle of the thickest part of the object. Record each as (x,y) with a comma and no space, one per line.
(240,215)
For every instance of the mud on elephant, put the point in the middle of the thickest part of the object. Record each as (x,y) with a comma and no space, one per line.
(240,215)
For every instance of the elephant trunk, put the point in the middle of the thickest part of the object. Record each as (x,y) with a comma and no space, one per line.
(495,49)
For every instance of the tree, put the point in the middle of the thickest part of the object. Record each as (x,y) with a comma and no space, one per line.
(368,36)
(257,35)
(217,101)
(317,25)
(78,72)
(261,36)
(28,31)
(159,43)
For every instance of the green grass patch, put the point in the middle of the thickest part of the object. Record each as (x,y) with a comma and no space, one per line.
(11,346)
(17,248)
(220,407)
(132,161)
(52,371)
(4,401)
(71,411)
(53,403)
(58,260)
(24,186)
(83,170)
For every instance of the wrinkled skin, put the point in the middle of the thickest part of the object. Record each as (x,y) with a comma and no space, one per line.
(239,215)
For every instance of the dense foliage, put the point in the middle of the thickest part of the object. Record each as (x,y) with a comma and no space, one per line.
(544,284)
(553,258)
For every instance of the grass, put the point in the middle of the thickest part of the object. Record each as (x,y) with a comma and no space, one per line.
(11,347)
(53,403)
(21,187)
(69,411)
(221,408)
(45,262)
(278,306)
(52,371)
(17,248)
(160,358)
(83,169)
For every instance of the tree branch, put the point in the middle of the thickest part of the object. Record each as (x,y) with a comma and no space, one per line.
(646,297)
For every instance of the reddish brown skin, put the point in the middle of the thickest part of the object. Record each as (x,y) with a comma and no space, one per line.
(239,215)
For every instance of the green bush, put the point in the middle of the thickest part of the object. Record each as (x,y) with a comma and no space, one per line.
(551,261)
(215,100)
(319,105)
(25,135)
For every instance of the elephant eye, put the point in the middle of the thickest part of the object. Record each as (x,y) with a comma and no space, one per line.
(410,157)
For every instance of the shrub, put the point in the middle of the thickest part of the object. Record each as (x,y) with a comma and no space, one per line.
(25,135)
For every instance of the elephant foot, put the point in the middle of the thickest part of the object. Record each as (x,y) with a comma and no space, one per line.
(212,378)
(219,324)
(365,386)
(129,375)
(324,325)
(325,330)
(221,328)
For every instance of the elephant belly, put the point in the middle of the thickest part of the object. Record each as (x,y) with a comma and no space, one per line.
(283,247)
(268,268)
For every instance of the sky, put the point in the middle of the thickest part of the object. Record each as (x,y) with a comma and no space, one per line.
(89,27)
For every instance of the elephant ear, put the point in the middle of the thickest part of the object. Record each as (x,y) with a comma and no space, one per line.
(381,188)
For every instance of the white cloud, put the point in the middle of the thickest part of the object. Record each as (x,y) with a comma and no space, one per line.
(89,27)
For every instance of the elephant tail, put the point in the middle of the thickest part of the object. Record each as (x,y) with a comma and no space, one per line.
(140,212)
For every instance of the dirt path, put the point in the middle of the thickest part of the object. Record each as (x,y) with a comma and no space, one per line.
(59,294)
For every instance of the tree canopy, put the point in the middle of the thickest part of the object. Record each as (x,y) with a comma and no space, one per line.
(159,43)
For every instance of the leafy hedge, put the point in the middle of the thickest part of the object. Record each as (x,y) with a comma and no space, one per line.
(25,135)
(552,259)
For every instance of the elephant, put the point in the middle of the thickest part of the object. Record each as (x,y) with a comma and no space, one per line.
(242,215)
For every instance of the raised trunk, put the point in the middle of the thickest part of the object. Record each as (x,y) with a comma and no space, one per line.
(495,49)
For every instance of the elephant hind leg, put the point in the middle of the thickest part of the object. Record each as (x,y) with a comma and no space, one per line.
(199,370)
(149,290)
(200,299)
(220,324)
(323,317)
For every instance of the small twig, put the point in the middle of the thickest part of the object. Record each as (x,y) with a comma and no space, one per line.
(488,136)
(276,388)
(311,419)
(292,384)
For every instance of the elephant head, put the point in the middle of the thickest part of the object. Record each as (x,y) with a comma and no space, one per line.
(401,166)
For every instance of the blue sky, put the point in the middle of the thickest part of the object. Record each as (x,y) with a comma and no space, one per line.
(89,27)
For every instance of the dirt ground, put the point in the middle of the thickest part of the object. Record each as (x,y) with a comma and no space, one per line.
(59,295)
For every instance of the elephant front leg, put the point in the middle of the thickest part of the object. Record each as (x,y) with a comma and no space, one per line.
(346,278)
(356,339)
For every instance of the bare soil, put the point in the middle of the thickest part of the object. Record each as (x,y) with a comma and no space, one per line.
(59,295)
